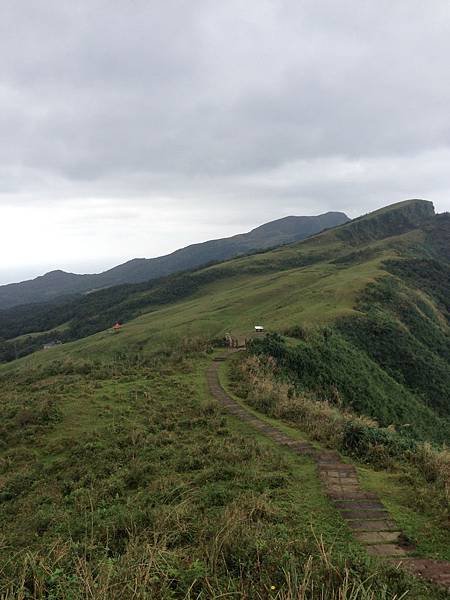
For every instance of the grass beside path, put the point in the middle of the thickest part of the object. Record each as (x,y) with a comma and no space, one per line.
(408,501)
(122,480)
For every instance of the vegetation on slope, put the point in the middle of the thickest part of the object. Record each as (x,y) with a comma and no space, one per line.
(98,310)
(390,359)
(58,283)
(405,335)
(122,479)
(329,366)
(385,300)
(412,477)
(389,221)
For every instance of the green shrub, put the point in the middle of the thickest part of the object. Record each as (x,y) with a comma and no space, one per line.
(374,444)
(334,369)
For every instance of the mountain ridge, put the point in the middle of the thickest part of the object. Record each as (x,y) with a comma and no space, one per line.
(381,283)
(119,424)
(57,282)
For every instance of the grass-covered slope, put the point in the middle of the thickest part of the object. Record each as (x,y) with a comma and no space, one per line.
(121,478)
(126,479)
(335,369)
(58,283)
(95,311)
(380,283)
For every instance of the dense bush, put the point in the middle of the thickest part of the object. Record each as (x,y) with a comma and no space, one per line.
(362,441)
(333,368)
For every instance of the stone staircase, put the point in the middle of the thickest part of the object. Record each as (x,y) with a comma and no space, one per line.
(363,511)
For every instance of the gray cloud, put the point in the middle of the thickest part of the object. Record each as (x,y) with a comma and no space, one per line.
(224,114)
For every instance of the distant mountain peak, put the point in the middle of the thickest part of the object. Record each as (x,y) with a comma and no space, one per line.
(275,233)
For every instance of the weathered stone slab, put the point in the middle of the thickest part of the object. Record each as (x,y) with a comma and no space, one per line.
(367,525)
(280,438)
(359,504)
(326,461)
(342,482)
(339,489)
(334,474)
(337,474)
(359,495)
(333,465)
(297,445)
(377,537)
(386,550)
(360,513)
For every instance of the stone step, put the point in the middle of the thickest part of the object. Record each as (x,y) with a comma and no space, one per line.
(341,484)
(368,504)
(382,550)
(336,466)
(327,461)
(303,450)
(338,473)
(337,480)
(295,444)
(333,491)
(370,525)
(266,428)
(361,513)
(280,437)
(377,537)
(358,495)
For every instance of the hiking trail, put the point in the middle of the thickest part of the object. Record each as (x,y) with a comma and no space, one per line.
(364,513)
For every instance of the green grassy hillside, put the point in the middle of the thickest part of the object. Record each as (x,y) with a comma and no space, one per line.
(58,283)
(381,283)
(95,311)
(120,477)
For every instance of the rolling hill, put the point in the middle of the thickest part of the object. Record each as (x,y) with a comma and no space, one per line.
(59,283)
(380,282)
(121,477)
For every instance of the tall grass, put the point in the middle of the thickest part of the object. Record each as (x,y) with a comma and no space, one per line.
(147,570)
(435,465)
(142,488)
(256,378)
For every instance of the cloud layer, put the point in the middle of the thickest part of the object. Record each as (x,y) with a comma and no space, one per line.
(129,128)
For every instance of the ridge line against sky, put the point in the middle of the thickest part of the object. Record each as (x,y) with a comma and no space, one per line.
(37,272)
(135,128)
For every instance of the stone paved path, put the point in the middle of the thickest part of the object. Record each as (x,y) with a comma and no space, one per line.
(363,511)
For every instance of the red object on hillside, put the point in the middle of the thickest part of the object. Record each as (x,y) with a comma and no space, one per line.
(117,326)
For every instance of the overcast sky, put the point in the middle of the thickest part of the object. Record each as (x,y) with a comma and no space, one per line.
(129,128)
